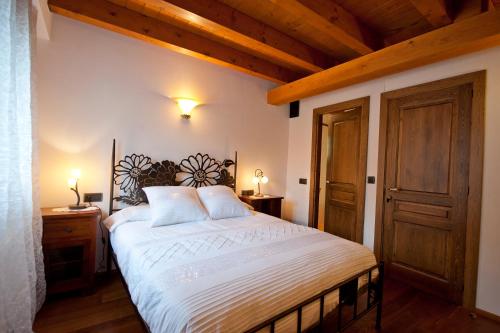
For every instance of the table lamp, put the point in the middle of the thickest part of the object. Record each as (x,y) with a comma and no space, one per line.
(258,179)
(73,186)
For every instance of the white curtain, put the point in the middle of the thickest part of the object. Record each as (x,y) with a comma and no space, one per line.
(22,283)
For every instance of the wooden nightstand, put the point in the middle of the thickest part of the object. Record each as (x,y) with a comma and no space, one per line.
(268,204)
(69,242)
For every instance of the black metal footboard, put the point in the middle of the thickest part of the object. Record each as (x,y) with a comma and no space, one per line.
(348,297)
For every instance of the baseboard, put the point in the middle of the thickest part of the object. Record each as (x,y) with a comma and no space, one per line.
(487,314)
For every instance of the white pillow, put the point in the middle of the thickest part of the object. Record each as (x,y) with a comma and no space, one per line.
(128,214)
(174,204)
(221,202)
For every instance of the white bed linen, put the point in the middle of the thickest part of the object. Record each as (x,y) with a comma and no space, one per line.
(229,275)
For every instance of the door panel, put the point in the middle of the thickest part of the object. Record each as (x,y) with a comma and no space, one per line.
(420,129)
(343,196)
(345,151)
(342,174)
(421,248)
(346,217)
(422,209)
(426,179)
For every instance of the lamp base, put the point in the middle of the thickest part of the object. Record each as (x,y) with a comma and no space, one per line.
(77,207)
(259,195)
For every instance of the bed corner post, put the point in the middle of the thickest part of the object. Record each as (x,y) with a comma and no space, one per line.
(110,210)
(380,291)
(235,169)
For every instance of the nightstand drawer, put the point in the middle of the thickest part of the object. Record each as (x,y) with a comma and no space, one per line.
(75,228)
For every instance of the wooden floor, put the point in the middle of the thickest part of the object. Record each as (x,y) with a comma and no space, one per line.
(109,310)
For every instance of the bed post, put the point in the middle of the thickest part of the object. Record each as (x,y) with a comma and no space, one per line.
(110,211)
(380,292)
(235,169)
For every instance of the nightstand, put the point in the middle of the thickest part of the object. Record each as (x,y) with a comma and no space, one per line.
(268,204)
(69,246)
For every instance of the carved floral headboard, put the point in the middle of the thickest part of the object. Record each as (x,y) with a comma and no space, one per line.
(134,172)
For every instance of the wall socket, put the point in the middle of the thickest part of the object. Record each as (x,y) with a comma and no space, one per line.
(303,181)
(92,197)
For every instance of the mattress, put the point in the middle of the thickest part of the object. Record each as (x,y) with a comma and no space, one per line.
(232,274)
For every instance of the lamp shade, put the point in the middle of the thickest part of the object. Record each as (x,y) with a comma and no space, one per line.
(186,105)
(75,173)
(264,180)
(72,182)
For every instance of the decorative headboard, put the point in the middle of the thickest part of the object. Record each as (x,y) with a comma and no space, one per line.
(134,172)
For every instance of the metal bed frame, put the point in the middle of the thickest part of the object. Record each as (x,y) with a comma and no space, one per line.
(136,171)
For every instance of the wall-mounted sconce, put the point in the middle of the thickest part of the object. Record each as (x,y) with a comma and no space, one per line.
(73,186)
(186,105)
(258,179)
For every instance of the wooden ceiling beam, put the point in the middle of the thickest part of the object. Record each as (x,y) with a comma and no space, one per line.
(320,23)
(434,11)
(120,19)
(332,20)
(456,11)
(345,24)
(470,35)
(223,23)
(238,28)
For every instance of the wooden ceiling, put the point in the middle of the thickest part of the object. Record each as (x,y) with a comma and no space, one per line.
(279,40)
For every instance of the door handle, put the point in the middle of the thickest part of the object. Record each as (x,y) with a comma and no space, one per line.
(328,182)
(393,189)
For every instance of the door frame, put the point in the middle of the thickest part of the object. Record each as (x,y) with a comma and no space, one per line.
(475,180)
(364,104)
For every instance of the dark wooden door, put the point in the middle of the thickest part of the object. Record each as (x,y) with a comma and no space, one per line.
(426,188)
(341,213)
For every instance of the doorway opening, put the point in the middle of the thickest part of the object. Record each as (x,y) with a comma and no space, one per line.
(338,168)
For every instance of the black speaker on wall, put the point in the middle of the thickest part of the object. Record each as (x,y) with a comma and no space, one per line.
(294,109)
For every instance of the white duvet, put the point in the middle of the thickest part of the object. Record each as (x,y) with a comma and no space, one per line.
(232,274)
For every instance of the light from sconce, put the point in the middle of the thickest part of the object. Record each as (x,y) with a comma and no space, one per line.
(186,105)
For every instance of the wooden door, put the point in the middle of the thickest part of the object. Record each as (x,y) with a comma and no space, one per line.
(426,188)
(344,161)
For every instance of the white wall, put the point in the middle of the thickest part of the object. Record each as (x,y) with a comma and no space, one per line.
(94,85)
(299,152)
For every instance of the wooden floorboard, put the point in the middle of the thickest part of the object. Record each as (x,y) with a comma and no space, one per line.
(108,309)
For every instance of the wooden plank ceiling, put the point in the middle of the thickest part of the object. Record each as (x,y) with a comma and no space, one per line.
(282,41)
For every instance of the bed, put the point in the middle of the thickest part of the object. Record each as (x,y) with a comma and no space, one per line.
(255,273)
